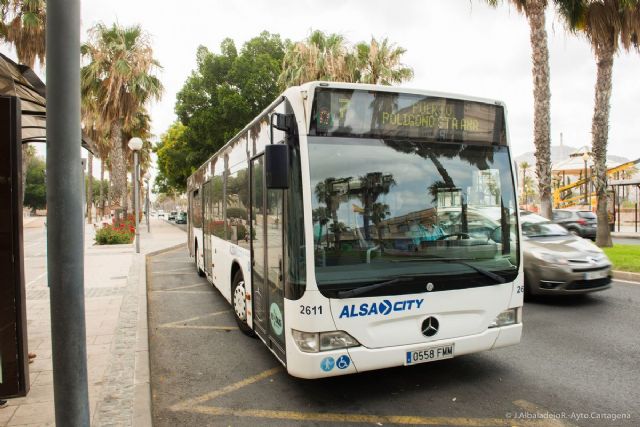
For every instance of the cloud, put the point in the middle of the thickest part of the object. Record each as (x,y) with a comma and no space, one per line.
(460,47)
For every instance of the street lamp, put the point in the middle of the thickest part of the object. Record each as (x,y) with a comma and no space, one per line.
(585,157)
(135,144)
(147,177)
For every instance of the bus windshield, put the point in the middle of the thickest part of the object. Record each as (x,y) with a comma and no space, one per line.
(382,207)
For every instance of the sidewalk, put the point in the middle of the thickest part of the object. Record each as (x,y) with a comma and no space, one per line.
(627,232)
(117,340)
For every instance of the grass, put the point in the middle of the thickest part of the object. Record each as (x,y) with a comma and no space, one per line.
(624,257)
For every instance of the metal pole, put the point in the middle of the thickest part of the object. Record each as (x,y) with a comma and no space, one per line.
(136,199)
(586,183)
(65,224)
(148,207)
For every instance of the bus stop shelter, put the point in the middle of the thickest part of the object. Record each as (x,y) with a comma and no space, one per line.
(23,115)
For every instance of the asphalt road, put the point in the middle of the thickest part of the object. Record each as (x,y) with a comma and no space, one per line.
(578,355)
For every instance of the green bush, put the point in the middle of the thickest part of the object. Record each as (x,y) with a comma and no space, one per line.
(122,233)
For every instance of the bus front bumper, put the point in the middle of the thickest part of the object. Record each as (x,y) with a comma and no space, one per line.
(361,359)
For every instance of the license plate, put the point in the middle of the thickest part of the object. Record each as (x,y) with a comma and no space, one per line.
(592,275)
(429,354)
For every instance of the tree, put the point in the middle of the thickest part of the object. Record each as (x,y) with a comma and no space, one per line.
(379,63)
(534,11)
(328,57)
(524,167)
(608,25)
(120,75)
(319,57)
(173,166)
(35,195)
(223,93)
(371,186)
(23,24)
(379,212)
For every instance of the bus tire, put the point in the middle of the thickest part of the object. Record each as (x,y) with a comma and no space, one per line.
(239,301)
(198,269)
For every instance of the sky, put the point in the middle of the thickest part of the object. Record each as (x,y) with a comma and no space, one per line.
(458,46)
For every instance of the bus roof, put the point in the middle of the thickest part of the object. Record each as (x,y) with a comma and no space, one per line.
(310,86)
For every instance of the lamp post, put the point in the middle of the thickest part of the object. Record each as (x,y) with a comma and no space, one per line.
(148,201)
(135,144)
(585,157)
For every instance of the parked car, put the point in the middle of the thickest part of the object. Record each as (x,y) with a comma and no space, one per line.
(172,215)
(559,262)
(160,214)
(181,218)
(580,223)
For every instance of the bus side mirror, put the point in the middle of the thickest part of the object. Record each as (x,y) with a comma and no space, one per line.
(276,165)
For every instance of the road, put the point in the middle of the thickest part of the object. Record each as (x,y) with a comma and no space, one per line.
(578,355)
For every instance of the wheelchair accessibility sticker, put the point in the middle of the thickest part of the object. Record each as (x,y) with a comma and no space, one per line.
(343,362)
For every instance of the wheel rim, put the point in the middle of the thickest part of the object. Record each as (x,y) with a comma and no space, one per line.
(239,301)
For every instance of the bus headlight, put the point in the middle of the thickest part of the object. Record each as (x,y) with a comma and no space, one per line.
(335,340)
(313,342)
(507,317)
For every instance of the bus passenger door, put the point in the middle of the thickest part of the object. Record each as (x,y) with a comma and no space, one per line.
(207,225)
(267,262)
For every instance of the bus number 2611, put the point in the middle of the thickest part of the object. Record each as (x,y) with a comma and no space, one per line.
(310,309)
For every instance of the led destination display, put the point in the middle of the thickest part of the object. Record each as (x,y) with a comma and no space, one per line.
(359,113)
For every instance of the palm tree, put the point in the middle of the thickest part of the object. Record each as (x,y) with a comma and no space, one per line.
(327,57)
(120,75)
(23,24)
(608,25)
(321,215)
(379,212)
(372,185)
(524,167)
(379,63)
(140,126)
(320,57)
(534,11)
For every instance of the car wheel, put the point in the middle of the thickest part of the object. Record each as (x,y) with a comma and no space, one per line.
(198,269)
(240,304)
(574,232)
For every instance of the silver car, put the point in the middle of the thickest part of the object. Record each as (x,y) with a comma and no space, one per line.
(558,262)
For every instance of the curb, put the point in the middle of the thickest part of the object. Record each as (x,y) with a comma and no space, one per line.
(625,235)
(163,250)
(626,275)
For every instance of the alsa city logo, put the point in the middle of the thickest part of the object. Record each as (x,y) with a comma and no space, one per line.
(384,307)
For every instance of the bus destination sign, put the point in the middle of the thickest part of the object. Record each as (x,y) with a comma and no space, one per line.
(367,114)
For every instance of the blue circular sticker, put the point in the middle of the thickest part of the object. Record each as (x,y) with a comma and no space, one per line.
(327,364)
(343,362)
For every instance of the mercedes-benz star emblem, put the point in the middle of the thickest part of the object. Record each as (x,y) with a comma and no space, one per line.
(430,326)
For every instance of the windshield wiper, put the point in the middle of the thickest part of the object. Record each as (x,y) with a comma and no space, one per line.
(461,261)
(364,289)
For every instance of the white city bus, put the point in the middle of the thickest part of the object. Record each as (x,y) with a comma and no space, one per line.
(353,227)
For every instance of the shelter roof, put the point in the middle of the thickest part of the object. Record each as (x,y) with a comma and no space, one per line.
(21,81)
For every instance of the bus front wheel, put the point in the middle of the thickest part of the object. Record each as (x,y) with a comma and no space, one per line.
(240,304)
